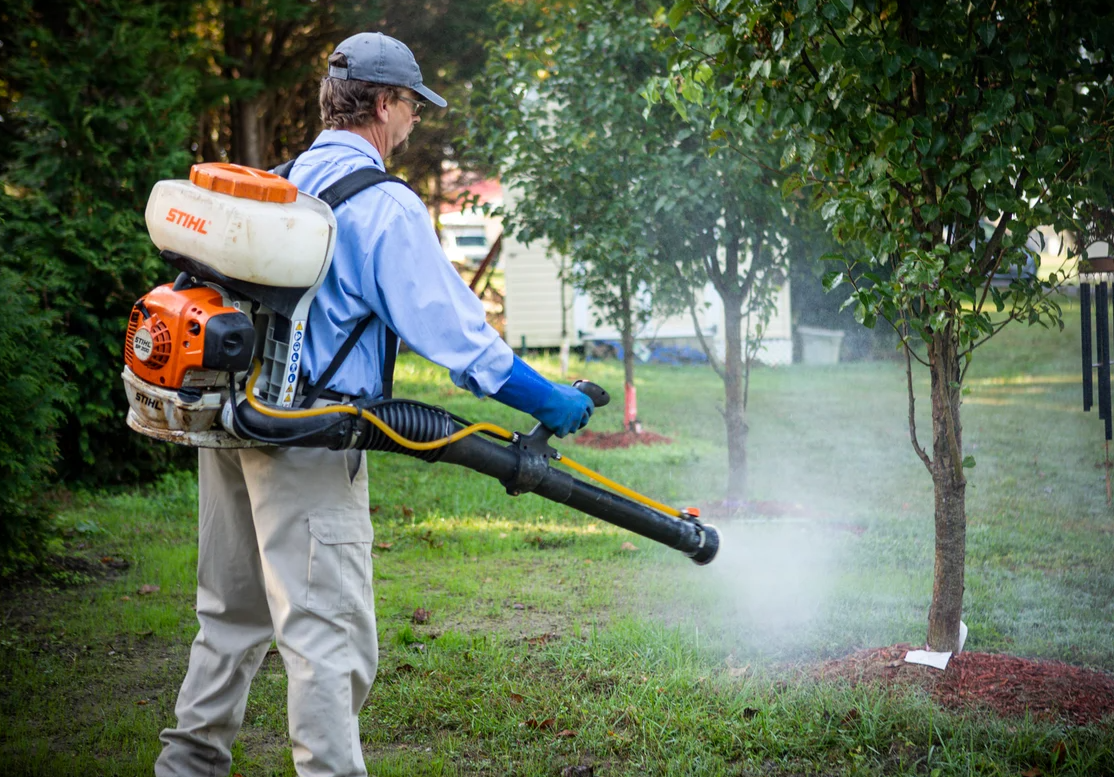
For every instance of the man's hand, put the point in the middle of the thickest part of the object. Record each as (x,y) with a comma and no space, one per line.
(562,409)
(565,410)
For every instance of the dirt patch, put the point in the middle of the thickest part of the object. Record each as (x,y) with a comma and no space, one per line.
(607,440)
(1007,685)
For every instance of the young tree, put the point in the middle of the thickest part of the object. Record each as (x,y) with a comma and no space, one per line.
(647,210)
(724,224)
(937,136)
(558,111)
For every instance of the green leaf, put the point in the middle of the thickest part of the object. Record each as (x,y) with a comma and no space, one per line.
(832,279)
(677,12)
(791,184)
(970,143)
(987,30)
(961,204)
(968,462)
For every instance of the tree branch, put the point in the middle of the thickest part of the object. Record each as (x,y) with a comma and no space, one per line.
(913,403)
(708,351)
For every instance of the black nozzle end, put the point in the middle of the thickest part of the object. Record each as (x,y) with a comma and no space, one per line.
(709,545)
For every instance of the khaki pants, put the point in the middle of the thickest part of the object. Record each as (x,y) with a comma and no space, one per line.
(285,554)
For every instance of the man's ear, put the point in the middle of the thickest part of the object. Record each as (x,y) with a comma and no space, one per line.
(381,103)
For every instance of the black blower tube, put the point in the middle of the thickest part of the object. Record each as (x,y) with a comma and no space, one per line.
(521,466)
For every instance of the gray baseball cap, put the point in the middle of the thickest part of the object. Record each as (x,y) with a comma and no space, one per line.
(380,59)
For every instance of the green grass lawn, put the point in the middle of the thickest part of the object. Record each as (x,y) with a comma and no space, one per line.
(550,646)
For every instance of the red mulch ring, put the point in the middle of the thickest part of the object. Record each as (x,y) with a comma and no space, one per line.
(1007,685)
(608,440)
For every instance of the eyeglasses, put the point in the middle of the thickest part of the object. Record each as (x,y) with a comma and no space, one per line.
(415,105)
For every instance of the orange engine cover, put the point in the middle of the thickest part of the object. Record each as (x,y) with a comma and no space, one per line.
(186,337)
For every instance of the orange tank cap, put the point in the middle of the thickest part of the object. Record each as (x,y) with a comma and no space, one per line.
(245,182)
(693,511)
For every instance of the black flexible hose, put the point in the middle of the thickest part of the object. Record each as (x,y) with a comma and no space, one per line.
(518,469)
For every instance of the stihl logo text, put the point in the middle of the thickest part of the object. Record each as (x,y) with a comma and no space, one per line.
(143,399)
(183,219)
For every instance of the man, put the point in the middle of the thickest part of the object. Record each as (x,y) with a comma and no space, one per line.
(284,534)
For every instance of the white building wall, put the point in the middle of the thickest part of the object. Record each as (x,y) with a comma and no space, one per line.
(532,307)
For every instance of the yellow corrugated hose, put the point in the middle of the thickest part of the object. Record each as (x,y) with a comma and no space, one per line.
(382,426)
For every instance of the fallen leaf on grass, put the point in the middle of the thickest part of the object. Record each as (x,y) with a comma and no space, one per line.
(517,698)
(1034,772)
(534,724)
(384,545)
(628,546)
(541,639)
(404,668)
(566,733)
(141,702)
(373,509)
(407,512)
(421,615)
(578,771)
(125,598)
(519,606)
(851,716)
(148,589)
(1059,752)
(896,664)
(738,671)
(115,563)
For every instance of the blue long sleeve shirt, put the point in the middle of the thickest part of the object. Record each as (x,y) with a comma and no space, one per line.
(388,262)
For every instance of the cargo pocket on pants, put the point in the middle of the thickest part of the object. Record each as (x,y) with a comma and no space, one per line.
(339,562)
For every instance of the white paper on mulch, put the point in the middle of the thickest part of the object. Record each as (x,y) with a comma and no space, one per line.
(933,658)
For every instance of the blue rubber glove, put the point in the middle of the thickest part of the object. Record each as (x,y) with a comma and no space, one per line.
(562,409)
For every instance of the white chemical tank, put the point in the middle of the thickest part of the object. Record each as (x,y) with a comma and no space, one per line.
(244,223)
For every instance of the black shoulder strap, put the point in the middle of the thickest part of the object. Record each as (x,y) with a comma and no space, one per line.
(285,167)
(349,186)
(354,183)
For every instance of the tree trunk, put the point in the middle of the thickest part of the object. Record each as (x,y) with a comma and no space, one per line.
(734,411)
(564,324)
(630,411)
(247,133)
(950,490)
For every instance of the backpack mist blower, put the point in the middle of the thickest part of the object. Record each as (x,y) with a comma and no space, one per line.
(213,359)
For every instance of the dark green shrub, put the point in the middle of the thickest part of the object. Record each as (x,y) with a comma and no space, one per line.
(33,395)
(99,103)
